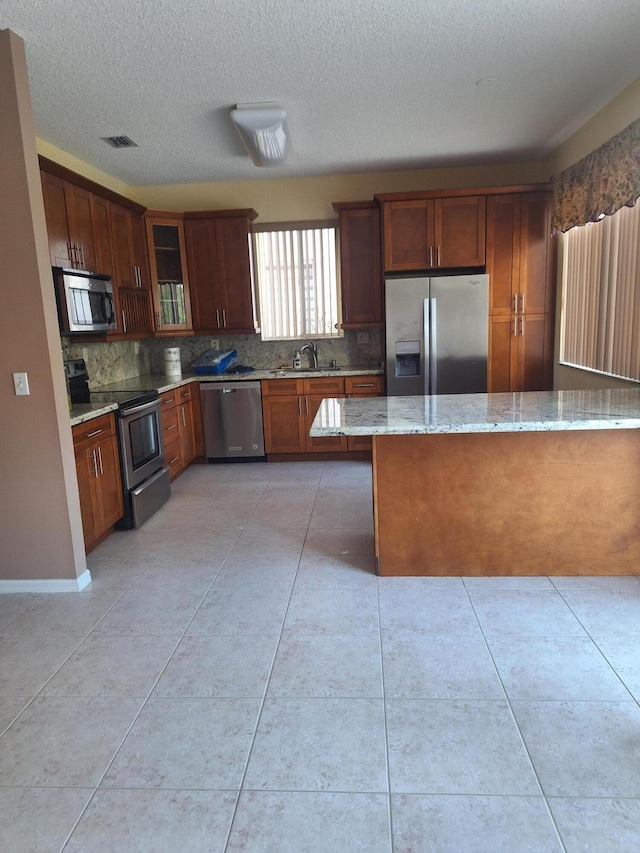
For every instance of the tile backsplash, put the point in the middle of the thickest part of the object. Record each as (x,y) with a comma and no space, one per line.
(118,360)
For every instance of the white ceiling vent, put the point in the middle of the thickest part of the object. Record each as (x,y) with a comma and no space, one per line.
(120,141)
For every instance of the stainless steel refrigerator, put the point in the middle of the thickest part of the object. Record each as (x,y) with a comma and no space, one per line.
(437,334)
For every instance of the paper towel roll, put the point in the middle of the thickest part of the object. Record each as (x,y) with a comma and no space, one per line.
(172,365)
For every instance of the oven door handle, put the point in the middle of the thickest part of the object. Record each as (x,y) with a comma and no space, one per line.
(124,413)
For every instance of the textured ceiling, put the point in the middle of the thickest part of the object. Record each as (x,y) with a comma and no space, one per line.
(368,85)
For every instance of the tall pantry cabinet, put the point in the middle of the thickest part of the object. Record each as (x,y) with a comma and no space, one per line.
(521,266)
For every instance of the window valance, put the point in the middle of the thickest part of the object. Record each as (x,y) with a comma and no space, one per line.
(601,183)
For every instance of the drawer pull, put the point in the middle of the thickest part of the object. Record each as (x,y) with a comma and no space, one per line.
(95,432)
(172,426)
(364,384)
(175,459)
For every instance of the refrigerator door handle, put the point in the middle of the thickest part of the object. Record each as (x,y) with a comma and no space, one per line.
(433,345)
(426,346)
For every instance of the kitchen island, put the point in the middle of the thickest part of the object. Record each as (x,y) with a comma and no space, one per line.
(534,483)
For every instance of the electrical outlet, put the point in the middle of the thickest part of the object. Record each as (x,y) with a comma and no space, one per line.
(215,343)
(21,383)
(362,339)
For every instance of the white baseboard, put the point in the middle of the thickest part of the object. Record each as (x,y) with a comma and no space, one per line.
(40,585)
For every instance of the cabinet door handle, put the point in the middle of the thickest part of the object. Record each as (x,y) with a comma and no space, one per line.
(306,405)
(299,406)
(522,304)
(100,459)
(430,256)
(224,319)
(439,258)
(515,303)
(95,464)
(217,318)
(515,326)
(522,325)
(184,423)
(124,322)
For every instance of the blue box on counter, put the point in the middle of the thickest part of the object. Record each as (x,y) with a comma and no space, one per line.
(215,361)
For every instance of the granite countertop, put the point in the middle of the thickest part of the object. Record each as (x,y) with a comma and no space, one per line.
(533,411)
(82,412)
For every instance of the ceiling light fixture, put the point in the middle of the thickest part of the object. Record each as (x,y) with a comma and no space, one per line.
(264,131)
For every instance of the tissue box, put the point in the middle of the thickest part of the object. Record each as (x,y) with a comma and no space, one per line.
(215,361)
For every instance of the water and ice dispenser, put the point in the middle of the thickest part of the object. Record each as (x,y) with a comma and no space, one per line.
(407,358)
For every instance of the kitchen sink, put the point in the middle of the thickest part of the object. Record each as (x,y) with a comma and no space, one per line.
(325,369)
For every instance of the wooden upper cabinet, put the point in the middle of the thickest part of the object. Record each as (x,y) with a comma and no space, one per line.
(520,254)
(408,234)
(433,233)
(130,254)
(101,220)
(168,263)
(360,267)
(81,227)
(537,253)
(521,268)
(219,261)
(459,224)
(55,211)
(71,215)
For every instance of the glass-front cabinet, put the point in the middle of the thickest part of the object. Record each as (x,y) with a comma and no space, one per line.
(172,305)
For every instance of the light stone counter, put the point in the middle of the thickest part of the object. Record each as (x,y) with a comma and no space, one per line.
(159,382)
(538,483)
(535,411)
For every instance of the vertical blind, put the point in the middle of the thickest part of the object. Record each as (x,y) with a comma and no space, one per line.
(600,327)
(297,279)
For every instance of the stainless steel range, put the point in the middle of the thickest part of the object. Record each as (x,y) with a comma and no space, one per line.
(145,477)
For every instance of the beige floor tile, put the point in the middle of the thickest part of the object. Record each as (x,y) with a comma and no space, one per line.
(186,743)
(456,747)
(112,666)
(333,611)
(336,572)
(241,611)
(64,742)
(315,665)
(428,666)
(28,662)
(220,665)
(319,745)
(147,820)
(39,820)
(472,824)
(583,749)
(311,822)
(610,825)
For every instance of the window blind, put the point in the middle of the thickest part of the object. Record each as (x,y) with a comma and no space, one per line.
(297,278)
(600,326)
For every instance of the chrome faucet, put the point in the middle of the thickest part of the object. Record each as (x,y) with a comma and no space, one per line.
(313,353)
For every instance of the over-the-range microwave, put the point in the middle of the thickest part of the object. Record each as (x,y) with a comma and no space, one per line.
(85,301)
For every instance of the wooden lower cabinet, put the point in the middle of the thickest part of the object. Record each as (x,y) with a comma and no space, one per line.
(290,405)
(362,386)
(288,409)
(178,428)
(99,482)
(521,350)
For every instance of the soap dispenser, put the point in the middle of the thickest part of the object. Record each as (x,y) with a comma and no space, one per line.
(297,363)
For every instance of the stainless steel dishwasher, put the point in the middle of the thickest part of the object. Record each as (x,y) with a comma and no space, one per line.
(232,419)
